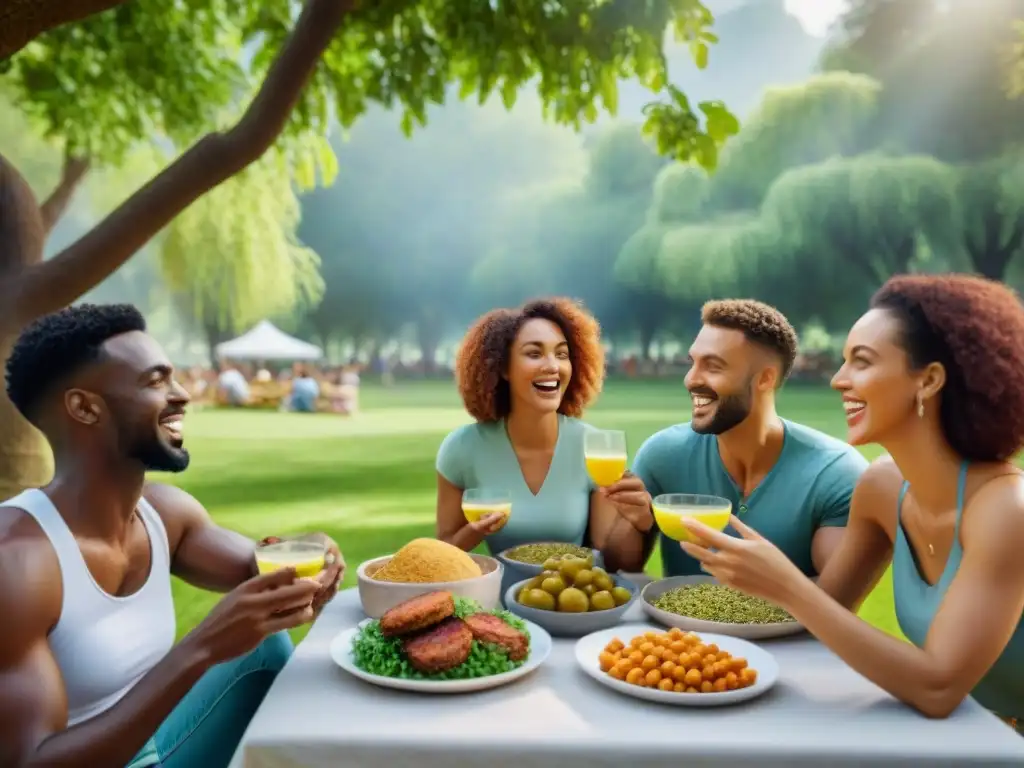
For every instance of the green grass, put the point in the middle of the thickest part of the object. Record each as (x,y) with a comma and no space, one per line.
(368,481)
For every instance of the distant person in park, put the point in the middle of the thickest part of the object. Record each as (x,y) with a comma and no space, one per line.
(233,387)
(90,674)
(526,375)
(305,391)
(934,373)
(791,482)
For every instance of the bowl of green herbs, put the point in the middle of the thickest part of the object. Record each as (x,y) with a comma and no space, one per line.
(701,604)
(528,560)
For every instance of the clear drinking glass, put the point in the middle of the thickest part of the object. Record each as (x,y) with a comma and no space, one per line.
(478,503)
(605,453)
(671,508)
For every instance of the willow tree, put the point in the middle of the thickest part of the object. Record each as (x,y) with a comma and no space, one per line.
(146,68)
(233,258)
(826,116)
(867,216)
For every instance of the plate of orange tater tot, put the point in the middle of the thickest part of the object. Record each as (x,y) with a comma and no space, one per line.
(672,666)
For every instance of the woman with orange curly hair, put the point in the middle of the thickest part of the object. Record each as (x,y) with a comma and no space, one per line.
(934,373)
(525,376)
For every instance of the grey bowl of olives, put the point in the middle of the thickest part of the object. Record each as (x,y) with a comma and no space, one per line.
(574,600)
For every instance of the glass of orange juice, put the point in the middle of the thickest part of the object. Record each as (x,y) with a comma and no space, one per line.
(306,557)
(604,451)
(478,503)
(671,508)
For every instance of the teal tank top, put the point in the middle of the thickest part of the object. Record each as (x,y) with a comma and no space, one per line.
(917,602)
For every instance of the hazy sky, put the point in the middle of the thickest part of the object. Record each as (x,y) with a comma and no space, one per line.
(816,15)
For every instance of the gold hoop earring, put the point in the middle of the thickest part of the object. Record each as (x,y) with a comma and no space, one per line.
(920,406)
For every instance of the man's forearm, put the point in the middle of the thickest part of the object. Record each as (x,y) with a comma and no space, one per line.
(116,736)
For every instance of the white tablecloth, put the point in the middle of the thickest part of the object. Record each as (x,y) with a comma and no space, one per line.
(820,713)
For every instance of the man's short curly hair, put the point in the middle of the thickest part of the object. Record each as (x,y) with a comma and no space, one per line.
(56,345)
(760,323)
(484,356)
(975,328)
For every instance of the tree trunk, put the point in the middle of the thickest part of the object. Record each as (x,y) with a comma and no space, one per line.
(21,21)
(993,254)
(31,287)
(25,457)
(213,335)
(71,177)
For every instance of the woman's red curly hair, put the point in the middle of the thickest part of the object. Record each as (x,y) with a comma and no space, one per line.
(484,356)
(975,328)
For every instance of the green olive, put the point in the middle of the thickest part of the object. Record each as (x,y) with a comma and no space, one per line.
(602,601)
(551,564)
(603,581)
(572,600)
(583,578)
(539,599)
(553,585)
(569,568)
(621,595)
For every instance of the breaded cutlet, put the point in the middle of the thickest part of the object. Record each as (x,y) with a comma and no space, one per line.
(488,628)
(440,648)
(417,613)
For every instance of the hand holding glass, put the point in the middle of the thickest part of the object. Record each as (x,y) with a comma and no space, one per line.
(478,503)
(671,508)
(306,557)
(605,454)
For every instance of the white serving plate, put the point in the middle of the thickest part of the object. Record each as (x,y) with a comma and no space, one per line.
(341,654)
(590,647)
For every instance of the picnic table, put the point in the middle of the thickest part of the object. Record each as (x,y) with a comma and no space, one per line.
(820,713)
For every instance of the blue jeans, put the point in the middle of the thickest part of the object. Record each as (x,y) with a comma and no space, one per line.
(207,725)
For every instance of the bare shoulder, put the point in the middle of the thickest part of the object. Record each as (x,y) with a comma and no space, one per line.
(178,509)
(876,495)
(31,591)
(170,500)
(993,515)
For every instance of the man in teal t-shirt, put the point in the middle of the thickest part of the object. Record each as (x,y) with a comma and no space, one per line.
(790,483)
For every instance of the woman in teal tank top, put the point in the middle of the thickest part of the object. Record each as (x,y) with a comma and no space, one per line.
(934,373)
(525,376)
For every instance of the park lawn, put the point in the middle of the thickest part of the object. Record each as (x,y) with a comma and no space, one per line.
(368,481)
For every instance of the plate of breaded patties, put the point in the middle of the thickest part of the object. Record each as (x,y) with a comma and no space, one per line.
(438,643)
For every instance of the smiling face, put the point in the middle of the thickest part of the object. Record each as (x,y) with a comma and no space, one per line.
(131,395)
(721,379)
(539,366)
(879,388)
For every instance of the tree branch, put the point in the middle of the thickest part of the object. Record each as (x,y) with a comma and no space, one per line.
(21,21)
(59,281)
(54,206)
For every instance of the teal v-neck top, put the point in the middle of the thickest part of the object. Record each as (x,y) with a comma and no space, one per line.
(809,487)
(481,456)
(1002,688)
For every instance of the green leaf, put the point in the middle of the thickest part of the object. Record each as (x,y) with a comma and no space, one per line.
(700,55)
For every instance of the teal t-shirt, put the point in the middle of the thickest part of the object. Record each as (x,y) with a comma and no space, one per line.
(808,488)
(481,456)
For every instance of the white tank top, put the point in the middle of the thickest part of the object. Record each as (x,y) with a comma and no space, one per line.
(102,643)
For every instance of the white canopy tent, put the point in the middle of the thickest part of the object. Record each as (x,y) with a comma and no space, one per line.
(267,342)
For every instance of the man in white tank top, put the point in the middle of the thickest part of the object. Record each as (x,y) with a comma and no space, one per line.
(89,672)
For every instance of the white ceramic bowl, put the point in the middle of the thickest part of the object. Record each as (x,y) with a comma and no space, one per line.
(378,597)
